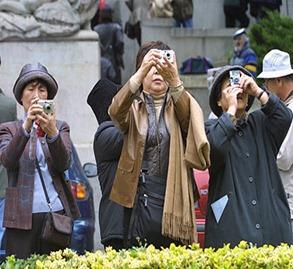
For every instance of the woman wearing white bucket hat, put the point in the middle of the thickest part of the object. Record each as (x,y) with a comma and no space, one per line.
(278,76)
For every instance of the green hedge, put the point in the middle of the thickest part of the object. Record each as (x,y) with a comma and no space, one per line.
(273,32)
(243,256)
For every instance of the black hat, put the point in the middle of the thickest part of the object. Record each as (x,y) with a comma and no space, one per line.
(101,97)
(216,88)
(31,72)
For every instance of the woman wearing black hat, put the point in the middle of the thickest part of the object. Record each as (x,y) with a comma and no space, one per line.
(246,196)
(35,151)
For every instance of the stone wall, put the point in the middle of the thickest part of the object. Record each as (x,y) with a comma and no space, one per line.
(74,62)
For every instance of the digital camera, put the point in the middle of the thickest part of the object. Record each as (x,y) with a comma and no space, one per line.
(234,77)
(169,54)
(48,106)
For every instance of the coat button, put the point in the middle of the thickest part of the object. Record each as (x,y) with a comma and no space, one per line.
(253,202)
(43,142)
(250,179)
(240,133)
(257,226)
(247,154)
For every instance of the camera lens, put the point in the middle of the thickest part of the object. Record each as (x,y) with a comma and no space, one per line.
(47,106)
(168,55)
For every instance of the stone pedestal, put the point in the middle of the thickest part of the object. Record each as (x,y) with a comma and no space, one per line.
(75,64)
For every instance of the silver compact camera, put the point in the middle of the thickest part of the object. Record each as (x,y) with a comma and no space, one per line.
(169,54)
(47,105)
(234,77)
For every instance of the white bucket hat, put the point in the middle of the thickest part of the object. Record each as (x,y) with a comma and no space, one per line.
(276,63)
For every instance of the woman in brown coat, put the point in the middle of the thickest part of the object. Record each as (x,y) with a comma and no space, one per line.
(163,138)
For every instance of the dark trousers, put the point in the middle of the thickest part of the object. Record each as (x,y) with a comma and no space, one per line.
(234,14)
(23,243)
(116,244)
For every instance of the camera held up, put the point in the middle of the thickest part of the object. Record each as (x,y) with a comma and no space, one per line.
(169,54)
(48,106)
(234,77)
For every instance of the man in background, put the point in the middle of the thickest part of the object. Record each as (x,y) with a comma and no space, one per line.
(111,44)
(108,143)
(243,54)
(278,76)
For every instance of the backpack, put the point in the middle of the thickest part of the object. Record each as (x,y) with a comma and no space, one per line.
(197,65)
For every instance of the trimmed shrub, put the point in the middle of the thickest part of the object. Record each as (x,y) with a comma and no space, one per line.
(273,32)
(243,256)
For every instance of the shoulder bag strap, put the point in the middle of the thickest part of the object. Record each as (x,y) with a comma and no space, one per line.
(43,185)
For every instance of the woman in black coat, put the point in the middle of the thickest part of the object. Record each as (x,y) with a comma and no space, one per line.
(246,196)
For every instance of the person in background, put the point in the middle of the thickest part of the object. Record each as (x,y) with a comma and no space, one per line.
(138,12)
(235,11)
(7,113)
(37,138)
(278,77)
(243,54)
(246,199)
(111,42)
(159,121)
(259,8)
(108,143)
(107,69)
(182,13)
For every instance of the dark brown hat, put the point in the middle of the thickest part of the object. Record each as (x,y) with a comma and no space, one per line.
(100,98)
(31,72)
(216,88)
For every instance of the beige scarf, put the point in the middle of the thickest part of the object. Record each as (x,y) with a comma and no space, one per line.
(178,216)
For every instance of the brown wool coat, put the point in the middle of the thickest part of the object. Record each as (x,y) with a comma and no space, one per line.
(14,155)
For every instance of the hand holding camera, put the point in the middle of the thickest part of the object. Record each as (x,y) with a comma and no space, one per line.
(247,83)
(167,68)
(43,113)
(46,120)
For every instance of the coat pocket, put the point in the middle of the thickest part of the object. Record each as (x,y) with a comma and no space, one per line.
(17,210)
(11,201)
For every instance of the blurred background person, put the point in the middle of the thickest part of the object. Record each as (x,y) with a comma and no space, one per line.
(243,54)
(278,76)
(138,12)
(235,12)
(107,70)
(183,13)
(108,143)
(111,43)
(159,121)
(37,138)
(259,8)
